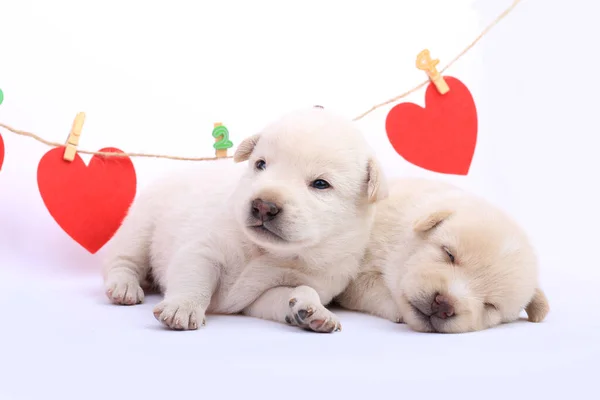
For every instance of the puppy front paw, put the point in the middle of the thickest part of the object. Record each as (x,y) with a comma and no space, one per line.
(311,316)
(180,314)
(124,290)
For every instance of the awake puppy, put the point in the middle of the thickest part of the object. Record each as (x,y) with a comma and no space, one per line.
(276,239)
(443,260)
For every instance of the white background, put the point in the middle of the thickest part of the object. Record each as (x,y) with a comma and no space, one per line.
(153,76)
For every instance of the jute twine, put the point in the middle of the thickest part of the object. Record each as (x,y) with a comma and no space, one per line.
(499,18)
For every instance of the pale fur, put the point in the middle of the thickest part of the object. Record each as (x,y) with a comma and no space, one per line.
(493,278)
(189,234)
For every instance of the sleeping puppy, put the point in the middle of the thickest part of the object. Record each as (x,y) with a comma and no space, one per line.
(275,239)
(442,260)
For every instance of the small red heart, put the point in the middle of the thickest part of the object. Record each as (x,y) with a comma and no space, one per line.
(1,152)
(88,202)
(440,137)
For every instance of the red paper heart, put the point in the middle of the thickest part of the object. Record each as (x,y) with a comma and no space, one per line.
(1,152)
(88,202)
(440,137)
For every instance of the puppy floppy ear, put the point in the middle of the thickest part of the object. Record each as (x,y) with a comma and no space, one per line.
(538,306)
(242,153)
(431,220)
(377,186)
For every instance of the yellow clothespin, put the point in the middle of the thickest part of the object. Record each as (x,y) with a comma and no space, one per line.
(73,140)
(425,63)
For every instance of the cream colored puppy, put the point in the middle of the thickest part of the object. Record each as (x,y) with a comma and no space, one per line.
(443,260)
(275,239)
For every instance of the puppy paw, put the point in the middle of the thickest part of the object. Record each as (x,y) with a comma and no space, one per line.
(180,314)
(312,316)
(124,290)
(391,317)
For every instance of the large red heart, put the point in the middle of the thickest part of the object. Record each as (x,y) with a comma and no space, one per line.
(1,152)
(440,137)
(88,202)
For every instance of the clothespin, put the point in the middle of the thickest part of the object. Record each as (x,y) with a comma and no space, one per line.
(220,134)
(73,139)
(425,63)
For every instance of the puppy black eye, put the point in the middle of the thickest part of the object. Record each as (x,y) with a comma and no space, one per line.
(260,164)
(449,254)
(320,184)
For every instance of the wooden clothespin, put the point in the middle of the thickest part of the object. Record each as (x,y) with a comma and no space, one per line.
(425,63)
(222,142)
(73,140)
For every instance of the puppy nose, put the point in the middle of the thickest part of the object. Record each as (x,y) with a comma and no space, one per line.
(442,307)
(264,210)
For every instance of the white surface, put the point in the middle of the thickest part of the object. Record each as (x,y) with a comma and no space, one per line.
(61,339)
(147,80)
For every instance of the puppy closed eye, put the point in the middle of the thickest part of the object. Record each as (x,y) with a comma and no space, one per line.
(448,254)
(490,307)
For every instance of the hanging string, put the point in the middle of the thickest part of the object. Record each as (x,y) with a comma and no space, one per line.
(487,29)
